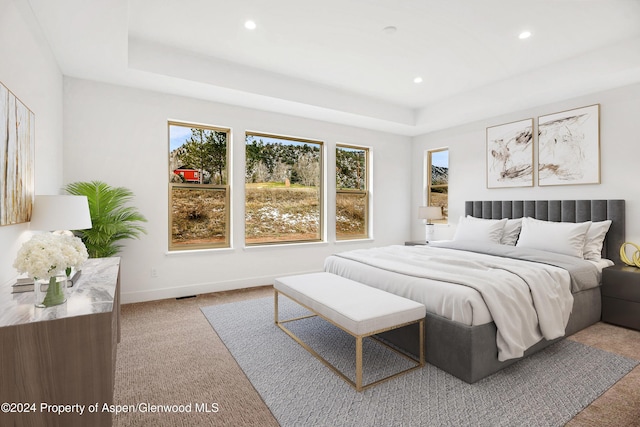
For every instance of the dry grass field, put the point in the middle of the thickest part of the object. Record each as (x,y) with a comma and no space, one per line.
(273,213)
(351,215)
(199,216)
(276,213)
(442,200)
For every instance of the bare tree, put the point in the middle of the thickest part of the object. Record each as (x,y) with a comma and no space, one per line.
(308,169)
(281,172)
(261,172)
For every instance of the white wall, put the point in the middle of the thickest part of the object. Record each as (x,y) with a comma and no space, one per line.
(28,69)
(619,142)
(119,135)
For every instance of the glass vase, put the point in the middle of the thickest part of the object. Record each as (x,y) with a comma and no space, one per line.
(50,292)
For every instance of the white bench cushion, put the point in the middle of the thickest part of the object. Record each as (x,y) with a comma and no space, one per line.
(358,308)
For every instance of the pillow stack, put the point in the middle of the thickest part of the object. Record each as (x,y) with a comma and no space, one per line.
(582,240)
(558,237)
(484,230)
(504,231)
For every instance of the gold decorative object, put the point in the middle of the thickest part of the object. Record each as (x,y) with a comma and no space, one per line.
(635,259)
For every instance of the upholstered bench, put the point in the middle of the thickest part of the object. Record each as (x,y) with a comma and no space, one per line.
(360,310)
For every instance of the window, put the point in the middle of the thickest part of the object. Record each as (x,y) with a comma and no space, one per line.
(352,193)
(438,181)
(283,189)
(198,186)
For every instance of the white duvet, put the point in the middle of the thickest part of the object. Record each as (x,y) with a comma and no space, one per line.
(526,300)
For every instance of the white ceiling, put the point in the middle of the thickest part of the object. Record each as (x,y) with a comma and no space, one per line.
(332,60)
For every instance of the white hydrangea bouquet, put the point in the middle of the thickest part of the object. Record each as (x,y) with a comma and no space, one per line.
(48,255)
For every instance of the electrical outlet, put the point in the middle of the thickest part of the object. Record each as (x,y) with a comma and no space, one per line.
(154,272)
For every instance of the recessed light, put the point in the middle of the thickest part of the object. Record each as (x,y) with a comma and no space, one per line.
(417,80)
(524,35)
(390,29)
(250,25)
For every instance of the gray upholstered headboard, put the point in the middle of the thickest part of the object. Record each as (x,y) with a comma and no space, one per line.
(561,211)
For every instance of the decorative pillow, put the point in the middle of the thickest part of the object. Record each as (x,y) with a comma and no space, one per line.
(510,232)
(559,237)
(594,240)
(487,230)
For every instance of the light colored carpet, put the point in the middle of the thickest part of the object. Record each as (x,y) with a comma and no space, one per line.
(547,389)
(170,353)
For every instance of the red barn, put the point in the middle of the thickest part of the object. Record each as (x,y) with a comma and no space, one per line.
(189,175)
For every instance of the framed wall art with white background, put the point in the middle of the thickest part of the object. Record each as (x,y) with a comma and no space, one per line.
(510,155)
(17,145)
(569,147)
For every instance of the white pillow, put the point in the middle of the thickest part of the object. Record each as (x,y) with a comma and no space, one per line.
(594,240)
(559,237)
(487,230)
(510,232)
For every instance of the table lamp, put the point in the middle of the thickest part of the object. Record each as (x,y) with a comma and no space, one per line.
(428,213)
(60,213)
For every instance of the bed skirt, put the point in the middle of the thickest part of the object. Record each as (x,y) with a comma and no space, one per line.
(470,352)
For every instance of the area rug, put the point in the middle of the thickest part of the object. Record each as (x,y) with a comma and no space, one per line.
(546,389)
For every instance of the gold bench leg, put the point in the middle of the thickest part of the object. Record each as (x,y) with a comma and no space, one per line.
(357,384)
(358,363)
(275,313)
(421,342)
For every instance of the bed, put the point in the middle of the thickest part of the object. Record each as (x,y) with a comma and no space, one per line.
(463,339)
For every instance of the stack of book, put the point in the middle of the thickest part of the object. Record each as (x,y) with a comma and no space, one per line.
(25,284)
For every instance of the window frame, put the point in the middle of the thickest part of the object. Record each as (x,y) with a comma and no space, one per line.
(226,187)
(321,190)
(366,193)
(429,165)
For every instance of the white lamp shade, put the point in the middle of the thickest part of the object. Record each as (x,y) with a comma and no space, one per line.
(430,212)
(52,213)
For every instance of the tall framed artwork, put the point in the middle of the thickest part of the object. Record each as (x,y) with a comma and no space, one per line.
(510,155)
(569,147)
(17,144)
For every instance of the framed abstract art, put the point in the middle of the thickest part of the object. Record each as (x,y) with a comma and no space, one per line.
(510,155)
(17,142)
(569,147)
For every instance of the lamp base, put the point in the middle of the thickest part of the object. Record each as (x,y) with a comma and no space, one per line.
(430,231)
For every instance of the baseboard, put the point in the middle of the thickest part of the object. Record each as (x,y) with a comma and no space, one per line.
(202,288)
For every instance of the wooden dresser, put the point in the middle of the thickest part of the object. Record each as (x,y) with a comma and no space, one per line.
(63,355)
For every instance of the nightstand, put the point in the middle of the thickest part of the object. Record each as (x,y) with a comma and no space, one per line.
(422,242)
(621,296)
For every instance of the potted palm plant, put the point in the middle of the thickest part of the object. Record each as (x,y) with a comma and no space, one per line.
(112,220)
